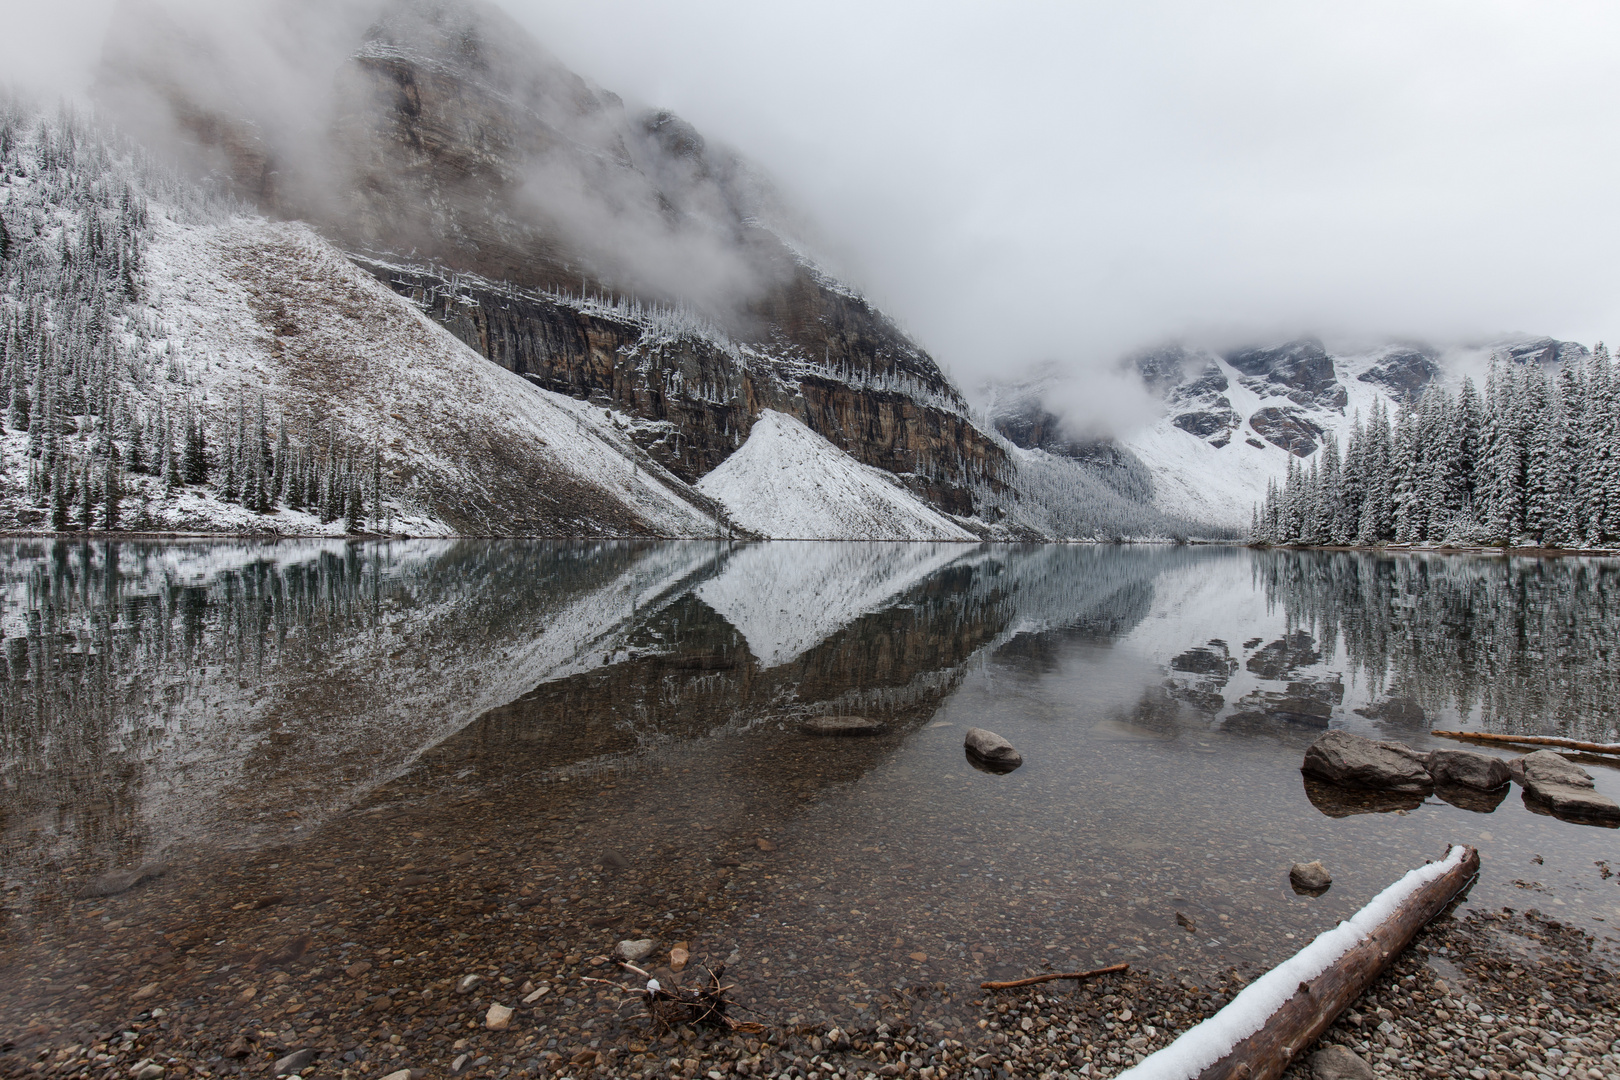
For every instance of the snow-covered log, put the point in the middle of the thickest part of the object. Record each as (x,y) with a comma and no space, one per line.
(1280,1014)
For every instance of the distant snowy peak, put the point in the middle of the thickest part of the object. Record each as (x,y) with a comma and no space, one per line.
(788,483)
(1230,419)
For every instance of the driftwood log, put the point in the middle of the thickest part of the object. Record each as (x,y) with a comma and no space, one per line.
(1013,984)
(1532,740)
(1245,1041)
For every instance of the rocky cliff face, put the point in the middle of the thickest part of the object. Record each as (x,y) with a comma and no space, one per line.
(609,254)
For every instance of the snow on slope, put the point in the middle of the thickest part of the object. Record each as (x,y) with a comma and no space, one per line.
(466,446)
(787,598)
(1222,485)
(788,483)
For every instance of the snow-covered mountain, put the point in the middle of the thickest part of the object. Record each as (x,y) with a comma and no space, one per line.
(1229,420)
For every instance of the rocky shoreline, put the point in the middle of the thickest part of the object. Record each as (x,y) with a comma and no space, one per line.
(1490,996)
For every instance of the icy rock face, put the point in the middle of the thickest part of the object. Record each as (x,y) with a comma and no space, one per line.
(1302,370)
(1339,757)
(1287,427)
(1403,373)
(1545,351)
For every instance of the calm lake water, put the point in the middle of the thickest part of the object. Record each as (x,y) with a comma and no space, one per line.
(383,749)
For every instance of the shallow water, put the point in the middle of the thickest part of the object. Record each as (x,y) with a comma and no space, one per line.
(374,748)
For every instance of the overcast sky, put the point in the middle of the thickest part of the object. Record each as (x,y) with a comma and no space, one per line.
(1027,181)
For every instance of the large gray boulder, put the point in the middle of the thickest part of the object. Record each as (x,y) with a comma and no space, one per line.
(1563,786)
(1465,768)
(1347,760)
(991,750)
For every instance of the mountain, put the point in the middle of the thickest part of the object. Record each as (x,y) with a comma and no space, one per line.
(391,267)
(605,253)
(1229,419)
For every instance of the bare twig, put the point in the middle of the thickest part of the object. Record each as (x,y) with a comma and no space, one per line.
(1015,983)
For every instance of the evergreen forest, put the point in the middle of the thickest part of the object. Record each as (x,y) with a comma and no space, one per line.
(1534,461)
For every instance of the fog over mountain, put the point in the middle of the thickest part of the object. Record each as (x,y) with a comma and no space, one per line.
(1066,182)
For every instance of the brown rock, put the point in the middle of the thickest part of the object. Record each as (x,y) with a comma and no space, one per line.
(1348,760)
(1311,878)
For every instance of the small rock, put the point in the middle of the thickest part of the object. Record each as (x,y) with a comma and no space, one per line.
(293,1062)
(465,986)
(1339,1063)
(991,751)
(920,957)
(678,958)
(539,993)
(1311,878)
(1465,768)
(764,844)
(841,725)
(612,860)
(498,1018)
(148,1072)
(354,971)
(461,1061)
(1353,761)
(402,1074)
(1186,923)
(145,992)
(635,950)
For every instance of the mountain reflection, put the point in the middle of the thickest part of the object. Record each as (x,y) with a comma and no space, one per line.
(238,693)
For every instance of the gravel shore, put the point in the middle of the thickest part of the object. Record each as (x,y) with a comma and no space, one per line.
(1489,996)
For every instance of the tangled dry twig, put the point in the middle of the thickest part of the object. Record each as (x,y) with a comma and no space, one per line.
(668,1008)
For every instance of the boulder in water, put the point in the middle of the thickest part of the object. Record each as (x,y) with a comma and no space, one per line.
(1310,878)
(1563,787)
(990,751)
(1357,762)
(1465,768)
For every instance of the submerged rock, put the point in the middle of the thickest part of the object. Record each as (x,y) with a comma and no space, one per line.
(990,751)
(1354,761)
(1339,1063)
(1562,787)
(1310,878)
(120,881)
(635,950)
(295,1061)
(841,725)
(1465,768)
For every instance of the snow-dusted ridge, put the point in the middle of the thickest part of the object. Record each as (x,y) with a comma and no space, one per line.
(788,483)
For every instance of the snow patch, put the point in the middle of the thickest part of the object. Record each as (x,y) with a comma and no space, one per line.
(788,483)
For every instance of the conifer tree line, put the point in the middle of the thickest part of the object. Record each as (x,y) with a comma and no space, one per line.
(92,379)
(1533,461)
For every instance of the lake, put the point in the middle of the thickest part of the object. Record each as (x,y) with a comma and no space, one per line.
(391,765)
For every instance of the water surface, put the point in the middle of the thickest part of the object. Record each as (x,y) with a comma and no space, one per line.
(424,751)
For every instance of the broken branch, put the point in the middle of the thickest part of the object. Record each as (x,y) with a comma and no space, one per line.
(1015,983)
(1532,740)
